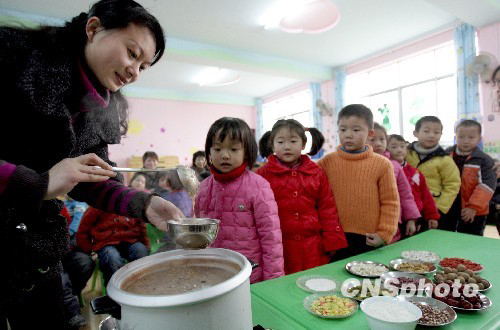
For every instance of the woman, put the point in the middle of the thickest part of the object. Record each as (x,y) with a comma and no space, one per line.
(200,166)
(61,100)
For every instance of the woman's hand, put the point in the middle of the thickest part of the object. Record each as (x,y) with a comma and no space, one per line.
(497,169)
(66,174)
(374,240)
(160,210)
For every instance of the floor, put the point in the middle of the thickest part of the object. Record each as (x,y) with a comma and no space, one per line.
(88,294)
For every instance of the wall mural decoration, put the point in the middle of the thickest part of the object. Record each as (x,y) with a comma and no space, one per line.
(492,148)
(135,127)
(385,114)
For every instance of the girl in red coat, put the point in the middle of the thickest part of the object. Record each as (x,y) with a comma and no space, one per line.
(115,238)
(307,211)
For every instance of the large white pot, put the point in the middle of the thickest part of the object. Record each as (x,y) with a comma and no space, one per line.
(223,306)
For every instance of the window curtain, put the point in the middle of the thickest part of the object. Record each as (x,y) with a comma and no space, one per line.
(467,88)
(316,118)
(260,122)
(339,76)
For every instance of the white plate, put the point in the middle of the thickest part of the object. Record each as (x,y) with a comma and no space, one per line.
(395,264)
(434,303)
(301,283)
(349,266)
(426,256)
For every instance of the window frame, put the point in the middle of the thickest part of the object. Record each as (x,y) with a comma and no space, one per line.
(399,89)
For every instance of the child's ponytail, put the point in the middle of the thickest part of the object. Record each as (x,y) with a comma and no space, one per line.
(317,140)
(265,149)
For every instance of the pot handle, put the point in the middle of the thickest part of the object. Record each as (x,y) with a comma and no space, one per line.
(253,263)
(106,305)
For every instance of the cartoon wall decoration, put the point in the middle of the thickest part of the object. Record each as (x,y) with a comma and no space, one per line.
(135,127)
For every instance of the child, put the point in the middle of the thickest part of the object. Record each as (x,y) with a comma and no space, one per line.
(200,165)
(439,169)
(150,161)
(163,188)
(409,211)
(307,211)
(113,237)
(363,184)
(397,147)
(242,200)
(468,212)
(178,194)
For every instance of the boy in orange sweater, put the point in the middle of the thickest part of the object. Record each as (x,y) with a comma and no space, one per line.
(363,184)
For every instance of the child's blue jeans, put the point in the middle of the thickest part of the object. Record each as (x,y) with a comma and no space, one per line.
(113,257)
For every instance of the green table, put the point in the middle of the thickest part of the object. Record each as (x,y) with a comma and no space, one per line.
(285,298)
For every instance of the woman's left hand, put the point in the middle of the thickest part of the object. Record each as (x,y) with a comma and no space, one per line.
(160,210)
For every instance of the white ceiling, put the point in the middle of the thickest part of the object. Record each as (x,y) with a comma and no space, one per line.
(271,60)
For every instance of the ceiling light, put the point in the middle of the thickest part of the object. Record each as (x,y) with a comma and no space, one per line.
(302,16)
(314,17)
(217,77)
(271,19)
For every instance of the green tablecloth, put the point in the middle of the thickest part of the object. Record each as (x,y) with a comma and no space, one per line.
(285,298)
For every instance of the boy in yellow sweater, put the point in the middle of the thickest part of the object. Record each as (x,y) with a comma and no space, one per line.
(439,169)
(363,184)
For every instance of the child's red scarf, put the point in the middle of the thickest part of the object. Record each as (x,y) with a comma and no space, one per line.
(230,176)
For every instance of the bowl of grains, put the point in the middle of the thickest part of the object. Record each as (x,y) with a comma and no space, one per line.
(330,306)
(366,268)
(318,283)
(411,266)
(393,313)
(424,256)
(434,312)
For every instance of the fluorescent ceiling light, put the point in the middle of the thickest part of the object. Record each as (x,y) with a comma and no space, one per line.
(216,77)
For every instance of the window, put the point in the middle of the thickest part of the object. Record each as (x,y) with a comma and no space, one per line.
(296,106)
(402,92)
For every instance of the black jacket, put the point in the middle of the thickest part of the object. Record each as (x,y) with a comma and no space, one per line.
(41,97)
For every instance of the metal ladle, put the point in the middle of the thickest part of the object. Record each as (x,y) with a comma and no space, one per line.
(186,175)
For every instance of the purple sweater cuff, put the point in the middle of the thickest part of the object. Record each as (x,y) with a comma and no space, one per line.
(26,187)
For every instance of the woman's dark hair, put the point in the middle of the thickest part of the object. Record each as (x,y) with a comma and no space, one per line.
(113,14)
(136,175)
(149,154)
(199,153)
(495,73)
(266,141)
(235,129)
(116,14)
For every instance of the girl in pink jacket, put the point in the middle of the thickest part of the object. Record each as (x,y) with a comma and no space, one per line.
(409,210)
(242,200)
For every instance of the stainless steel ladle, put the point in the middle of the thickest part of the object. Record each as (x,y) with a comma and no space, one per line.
(186,174)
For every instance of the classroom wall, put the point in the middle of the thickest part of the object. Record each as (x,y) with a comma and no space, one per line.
(172,127)
(489,41)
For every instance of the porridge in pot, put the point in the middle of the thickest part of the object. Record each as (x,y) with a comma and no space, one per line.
(180,276)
